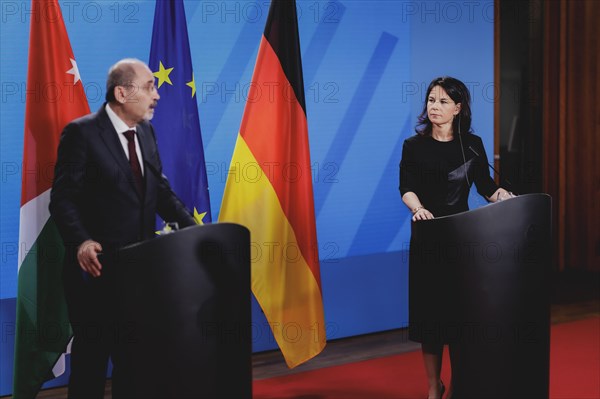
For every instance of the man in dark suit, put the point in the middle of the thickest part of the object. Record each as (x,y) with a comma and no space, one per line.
(108,188)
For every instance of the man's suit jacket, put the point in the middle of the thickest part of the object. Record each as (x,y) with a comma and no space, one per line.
(94,195)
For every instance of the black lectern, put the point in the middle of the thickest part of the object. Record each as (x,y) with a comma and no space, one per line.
(479,280)
(184,314)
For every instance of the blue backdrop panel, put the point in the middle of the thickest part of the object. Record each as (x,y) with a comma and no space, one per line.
(366,67)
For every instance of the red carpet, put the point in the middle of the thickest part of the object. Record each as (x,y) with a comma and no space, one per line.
(574,365)
(575,360)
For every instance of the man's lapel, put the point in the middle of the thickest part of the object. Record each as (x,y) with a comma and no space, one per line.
(109,136)
(144,138)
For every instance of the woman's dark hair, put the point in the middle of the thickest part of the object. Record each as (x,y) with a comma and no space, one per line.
(459,93)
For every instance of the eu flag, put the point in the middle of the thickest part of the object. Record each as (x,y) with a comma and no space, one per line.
(176,118)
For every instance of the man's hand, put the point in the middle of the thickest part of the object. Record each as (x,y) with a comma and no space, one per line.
(87,255)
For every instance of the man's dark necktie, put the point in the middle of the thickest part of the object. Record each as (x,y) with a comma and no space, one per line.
(134,162)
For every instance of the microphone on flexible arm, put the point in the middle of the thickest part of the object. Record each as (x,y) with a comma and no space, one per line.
(509,183)
(462,149)
(168,227)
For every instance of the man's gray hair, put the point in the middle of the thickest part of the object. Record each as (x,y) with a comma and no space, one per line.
(121,73)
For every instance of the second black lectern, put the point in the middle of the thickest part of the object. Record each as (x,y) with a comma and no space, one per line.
(479,280)
(184,314)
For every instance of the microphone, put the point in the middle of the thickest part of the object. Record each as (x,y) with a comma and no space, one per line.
(494,169)
(462,150)
(168,227)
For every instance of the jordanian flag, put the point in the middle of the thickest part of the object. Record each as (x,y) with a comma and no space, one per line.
(55,96)
(269,190)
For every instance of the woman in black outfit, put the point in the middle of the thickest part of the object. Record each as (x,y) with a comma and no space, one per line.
(438,166)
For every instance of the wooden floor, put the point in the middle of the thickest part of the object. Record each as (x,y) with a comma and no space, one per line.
(575,296)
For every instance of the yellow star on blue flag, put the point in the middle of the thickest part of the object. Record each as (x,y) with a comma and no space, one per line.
(199,217)
(163,74)
(192,84)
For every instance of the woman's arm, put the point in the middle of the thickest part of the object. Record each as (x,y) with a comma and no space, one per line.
(486,186)
(413,203)
(410,177)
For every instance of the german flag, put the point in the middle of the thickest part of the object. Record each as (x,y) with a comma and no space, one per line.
(269,190)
